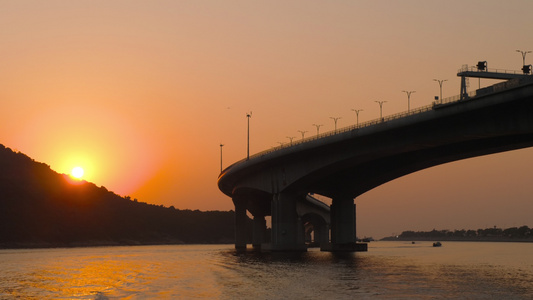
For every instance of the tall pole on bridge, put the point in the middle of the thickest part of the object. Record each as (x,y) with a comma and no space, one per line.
(380,108)
(302,132)
(409,99)
(290,138)
(440,84)
(248,115)
(357,116)
(335,119)
(317,129)
(221,145)
(523,56)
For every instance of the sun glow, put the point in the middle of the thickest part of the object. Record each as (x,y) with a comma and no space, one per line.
(77,172)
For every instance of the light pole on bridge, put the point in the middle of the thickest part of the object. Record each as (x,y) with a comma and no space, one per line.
(409,99)
(335,119)
(523,56)
(302,132)
(290,138)
(248,115)
(317,128)
(357,116)
(440,84)
(221,145)
(380,108)
(525,68)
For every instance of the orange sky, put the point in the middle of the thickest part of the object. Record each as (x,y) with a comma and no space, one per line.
(141,93)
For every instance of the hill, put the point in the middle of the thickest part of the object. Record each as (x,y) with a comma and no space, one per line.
(41,208)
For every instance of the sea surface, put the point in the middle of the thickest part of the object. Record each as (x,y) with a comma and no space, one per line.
(389,270)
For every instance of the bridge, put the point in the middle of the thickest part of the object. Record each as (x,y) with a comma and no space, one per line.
(350,161)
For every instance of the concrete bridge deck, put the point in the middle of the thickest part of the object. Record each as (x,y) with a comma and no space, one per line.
(347,162)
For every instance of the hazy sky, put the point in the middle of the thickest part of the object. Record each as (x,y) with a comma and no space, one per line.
(141,93)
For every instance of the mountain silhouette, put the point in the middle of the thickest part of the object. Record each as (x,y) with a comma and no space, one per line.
(42,208)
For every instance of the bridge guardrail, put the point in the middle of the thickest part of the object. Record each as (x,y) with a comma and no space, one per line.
(488,70)
(502,86)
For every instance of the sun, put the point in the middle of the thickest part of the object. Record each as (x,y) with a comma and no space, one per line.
(77,172)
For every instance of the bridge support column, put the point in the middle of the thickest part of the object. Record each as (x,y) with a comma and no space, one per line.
(343,221)
(240,223)
(259,230)
(322,235)
(343,231)
(286,232)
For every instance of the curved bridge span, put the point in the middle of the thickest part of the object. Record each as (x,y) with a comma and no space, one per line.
(353,160)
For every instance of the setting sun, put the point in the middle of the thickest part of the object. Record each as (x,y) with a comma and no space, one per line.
(77,172)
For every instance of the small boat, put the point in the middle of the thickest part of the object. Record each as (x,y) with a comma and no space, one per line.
(437,244)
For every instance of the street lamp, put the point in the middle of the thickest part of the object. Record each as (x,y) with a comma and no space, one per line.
(525,68)
(440,84)
(409,99)
(335,119)
(248,115)
(317,128)
(221,145)
(380,108)
(357,114)
(302,132)
(523,56)
(290,138)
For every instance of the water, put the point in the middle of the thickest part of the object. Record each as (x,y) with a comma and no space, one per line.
(389,270)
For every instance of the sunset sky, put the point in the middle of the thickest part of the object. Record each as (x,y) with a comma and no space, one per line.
(142,93)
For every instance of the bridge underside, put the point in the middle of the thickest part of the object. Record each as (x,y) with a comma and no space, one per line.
(347,165)
(395,153)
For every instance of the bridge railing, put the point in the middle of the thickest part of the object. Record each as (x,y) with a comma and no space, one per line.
(488,90)
(488,70)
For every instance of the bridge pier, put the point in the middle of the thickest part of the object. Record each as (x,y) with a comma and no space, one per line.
(240,223)
(287,230)
(343,221)
(343,226)
(259,231)
(322,234)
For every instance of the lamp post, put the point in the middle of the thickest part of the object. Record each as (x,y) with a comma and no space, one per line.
(440,84)
(317,128)
(302,132)
(523,56)
(335,119)
(221,145)
(290,138)
(380,108)
(357,116)
(248,116)
(409,99)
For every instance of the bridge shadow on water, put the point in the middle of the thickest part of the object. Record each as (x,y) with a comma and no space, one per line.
(316,257)
(292,275)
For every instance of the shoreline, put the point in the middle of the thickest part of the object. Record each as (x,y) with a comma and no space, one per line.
(31,245)
(450,239)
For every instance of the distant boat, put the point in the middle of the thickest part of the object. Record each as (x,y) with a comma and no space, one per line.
(437,244)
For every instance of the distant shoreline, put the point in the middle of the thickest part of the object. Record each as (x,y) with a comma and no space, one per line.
(455,239)
(21,245)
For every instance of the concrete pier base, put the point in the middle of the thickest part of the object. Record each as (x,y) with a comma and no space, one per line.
(343,228)
(240,223)
(343,221)
(259,232)
(286,232)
